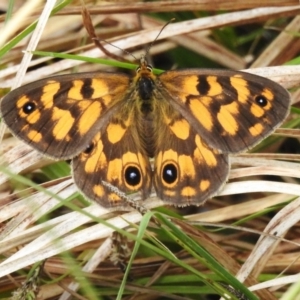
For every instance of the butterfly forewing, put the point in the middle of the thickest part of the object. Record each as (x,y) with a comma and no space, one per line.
(231,110)
(59,116)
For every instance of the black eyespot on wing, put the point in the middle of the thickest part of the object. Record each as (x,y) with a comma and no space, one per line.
(169,173)
(29,107)
(132,176)
(261,100)
(89,148)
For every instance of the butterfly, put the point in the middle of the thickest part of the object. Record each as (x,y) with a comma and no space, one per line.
(111,124)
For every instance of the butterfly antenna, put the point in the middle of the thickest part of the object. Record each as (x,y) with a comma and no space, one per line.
(123,50)
(149,47)
(147,50)
(87,21)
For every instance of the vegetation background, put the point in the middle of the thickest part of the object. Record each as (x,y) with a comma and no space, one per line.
(243,244)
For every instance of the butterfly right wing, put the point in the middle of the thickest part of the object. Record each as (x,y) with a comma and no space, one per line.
(231,110)
(186,170)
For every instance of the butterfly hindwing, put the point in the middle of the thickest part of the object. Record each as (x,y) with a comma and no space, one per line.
(231,110)
(115,156)
(59,116)
(186,170)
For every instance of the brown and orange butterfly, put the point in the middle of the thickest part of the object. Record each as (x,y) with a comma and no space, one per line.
(110,124)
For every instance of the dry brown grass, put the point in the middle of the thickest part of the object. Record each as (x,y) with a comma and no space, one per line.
(258,209)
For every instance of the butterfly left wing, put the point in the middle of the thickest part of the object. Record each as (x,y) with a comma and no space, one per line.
(60,115)
(85,117)
(186,170)
(115,156)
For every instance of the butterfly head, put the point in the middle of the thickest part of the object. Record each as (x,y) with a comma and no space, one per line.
(144,69)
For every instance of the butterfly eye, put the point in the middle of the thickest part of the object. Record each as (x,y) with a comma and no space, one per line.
(132,175)
(29,107)
(261,100)
(169,173)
